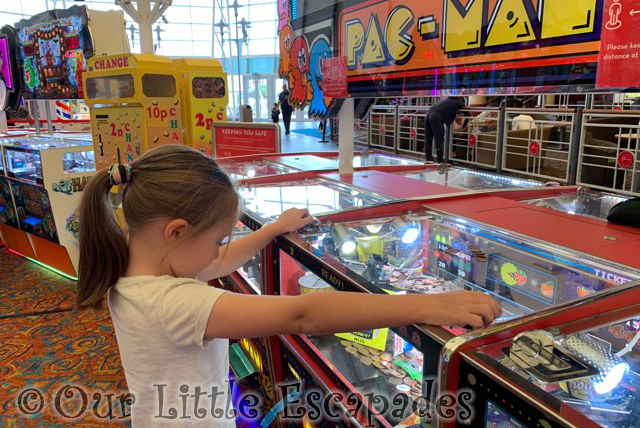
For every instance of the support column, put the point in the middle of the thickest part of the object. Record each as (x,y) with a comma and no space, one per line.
(345,137)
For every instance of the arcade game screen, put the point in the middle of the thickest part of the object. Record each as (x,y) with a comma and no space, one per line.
(584,203)
(54,47)
(471,180)
(430,252)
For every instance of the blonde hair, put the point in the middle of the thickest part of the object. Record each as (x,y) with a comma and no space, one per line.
(175,182)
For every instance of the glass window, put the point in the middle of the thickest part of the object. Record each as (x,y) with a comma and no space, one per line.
(172,32)
(259,12)
(201,15)
(158,85)
(201,32)
(261,47)
(24,165)
(119,86)
(202,49)
(178,14)
(208,87)
(77,162)
(176,48)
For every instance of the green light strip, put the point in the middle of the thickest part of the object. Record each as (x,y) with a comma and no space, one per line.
(73,278)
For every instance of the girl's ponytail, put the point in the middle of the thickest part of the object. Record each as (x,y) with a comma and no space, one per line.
(103,244)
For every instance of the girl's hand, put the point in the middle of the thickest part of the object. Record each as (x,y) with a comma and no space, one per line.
(462,309)
(292,219)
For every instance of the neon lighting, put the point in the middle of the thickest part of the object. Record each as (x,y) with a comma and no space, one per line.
(66,275)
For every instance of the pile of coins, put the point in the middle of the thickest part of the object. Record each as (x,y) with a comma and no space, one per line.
(396,376)
(415,281)
(478,254)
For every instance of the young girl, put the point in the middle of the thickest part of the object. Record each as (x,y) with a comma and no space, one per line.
(275,113)
(172,329)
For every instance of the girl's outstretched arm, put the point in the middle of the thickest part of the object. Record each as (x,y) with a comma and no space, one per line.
(236,316)
(235,254)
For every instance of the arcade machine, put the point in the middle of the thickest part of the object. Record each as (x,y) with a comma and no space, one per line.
(46,178)
(409,248)
(205,97)
(10,81)
(47,175)
(142,101)
(576,366)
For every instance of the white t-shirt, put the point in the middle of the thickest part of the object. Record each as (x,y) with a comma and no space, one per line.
(523,121)
(160,324)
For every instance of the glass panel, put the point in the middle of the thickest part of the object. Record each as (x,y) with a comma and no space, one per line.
(158,85)
(243,170)
(600,379)
(77,162)
(24,164)
(378,159)
(372,362)
(120,86)
(588,204)
(471,180)
(251,270)
(208,87)
(263,93)
(251,93)
(318,196)
(431,252)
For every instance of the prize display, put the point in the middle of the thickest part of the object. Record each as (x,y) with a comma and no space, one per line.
(54,47)
(431,252)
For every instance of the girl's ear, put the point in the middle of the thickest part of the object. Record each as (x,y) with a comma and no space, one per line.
(175,230)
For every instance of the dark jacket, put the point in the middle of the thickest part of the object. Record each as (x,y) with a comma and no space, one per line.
(283,98)
(447,109)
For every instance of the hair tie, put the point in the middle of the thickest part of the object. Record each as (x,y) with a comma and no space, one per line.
(119,174)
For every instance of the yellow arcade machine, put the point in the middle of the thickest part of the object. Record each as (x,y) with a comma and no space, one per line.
(135,105)
(142,101)
(203,90)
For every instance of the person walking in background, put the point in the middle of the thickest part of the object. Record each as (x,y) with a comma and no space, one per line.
(275,113)
(287,110)
(441,114)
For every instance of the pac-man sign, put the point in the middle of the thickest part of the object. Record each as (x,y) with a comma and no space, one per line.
(399,39)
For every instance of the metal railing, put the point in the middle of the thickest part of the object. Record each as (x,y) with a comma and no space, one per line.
(383,127)
(538,142)
(361,130)
(411,129)
(476,142)
(609,149)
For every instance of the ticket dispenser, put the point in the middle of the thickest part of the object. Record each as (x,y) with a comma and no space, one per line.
(135,105)
(204,95)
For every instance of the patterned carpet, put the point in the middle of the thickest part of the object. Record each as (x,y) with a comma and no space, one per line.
(27,288)
(46,356)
